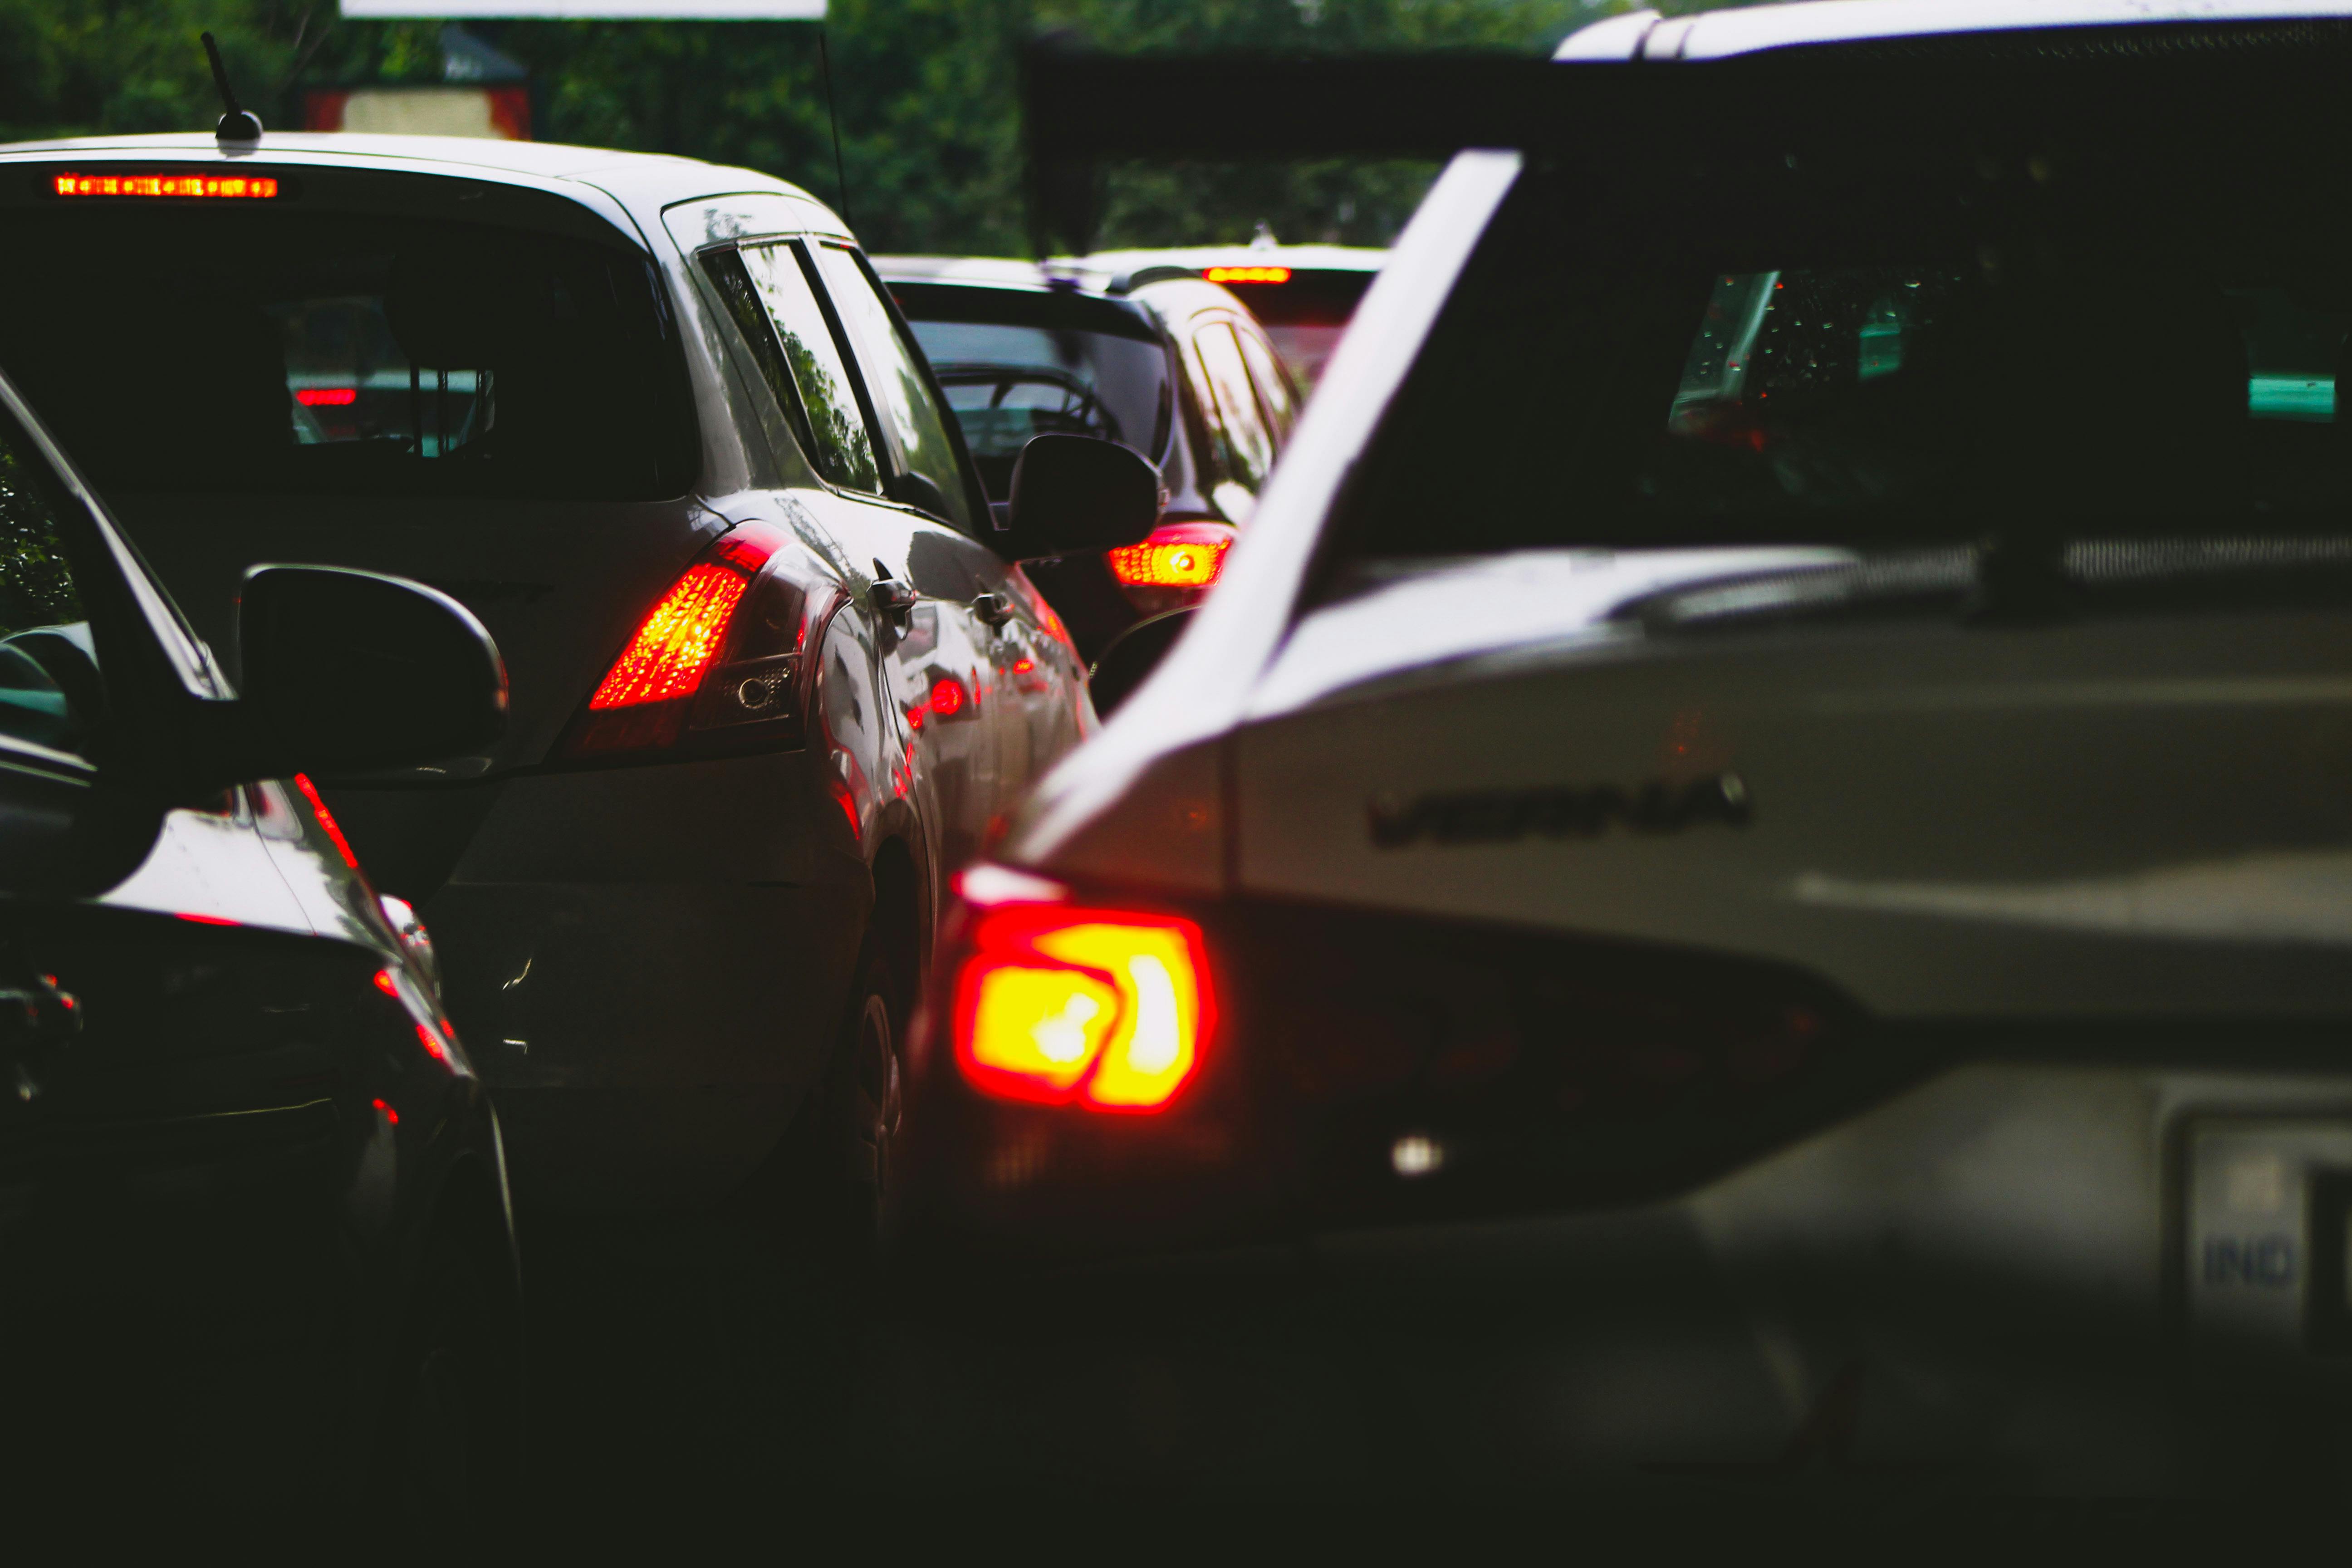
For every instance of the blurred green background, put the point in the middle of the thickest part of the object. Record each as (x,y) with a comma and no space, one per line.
(930,118)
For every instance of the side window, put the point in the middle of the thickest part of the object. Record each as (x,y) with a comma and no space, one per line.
(804,365)
(1272,386)
(49,687)
(896,380)
(1249,449)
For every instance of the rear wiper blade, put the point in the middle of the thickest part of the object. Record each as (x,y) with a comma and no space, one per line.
(2014,582)
(1909,582)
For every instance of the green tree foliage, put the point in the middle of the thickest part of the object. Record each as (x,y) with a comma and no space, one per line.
(926,90)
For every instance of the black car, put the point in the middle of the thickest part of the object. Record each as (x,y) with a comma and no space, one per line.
(255,1245)
(1154,358)
(777,673)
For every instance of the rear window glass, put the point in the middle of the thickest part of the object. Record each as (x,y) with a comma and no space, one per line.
(1027,374)
(1304,315)
(2066,325)
(2157,352)
(310,352)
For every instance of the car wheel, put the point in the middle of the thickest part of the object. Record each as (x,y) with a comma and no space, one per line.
(865,1104)
(452,1447)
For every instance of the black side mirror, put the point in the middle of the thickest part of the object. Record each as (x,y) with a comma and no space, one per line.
(1076,493)
(348,669)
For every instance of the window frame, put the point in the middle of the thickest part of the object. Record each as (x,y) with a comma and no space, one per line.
(886,438)
(1249,335)
(797,418)
(888,460)
(1232,459)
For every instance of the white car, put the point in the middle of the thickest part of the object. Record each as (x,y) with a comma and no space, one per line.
(1303,295)
(775,669)
(1781,739)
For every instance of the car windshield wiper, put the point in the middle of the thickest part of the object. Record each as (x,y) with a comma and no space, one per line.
(2004,582)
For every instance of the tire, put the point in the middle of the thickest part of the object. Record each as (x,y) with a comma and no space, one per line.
(864,1112)
(452,1434)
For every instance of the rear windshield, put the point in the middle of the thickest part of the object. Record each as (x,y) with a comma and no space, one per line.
(1015,365)
(2055,330)
(1305,314)
(186,350)
(1306,297)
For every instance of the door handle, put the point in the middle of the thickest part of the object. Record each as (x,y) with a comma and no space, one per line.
(992,609)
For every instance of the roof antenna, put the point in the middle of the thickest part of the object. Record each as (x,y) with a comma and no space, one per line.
(237,123)
(833,119)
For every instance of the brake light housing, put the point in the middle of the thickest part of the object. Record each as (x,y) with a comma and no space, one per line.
(715,666)
(1176,566)
(167,184)
(1097,1072)
(1061,1004)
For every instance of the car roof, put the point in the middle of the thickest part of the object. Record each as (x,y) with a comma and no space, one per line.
(1717,35)
(993,273)
(1304,258)
(646,181)
(1170,301)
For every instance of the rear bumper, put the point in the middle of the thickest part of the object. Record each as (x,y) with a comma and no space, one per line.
(648,966)
(2070,1278)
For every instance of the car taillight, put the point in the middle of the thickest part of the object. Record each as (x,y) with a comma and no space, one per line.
(678,643)
(1060,1004)
(1177,555)
(714,663)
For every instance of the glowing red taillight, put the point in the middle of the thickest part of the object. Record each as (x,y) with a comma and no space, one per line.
(327,396)
(234,187)
(1110,1009)
(679,642)
(327,822)
(718,651)
(1180,555)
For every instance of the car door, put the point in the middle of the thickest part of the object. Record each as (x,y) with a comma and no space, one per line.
(933,656)
(174,1071)
(948,566)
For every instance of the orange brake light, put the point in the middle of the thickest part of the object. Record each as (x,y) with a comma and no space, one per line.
(244,187)
(1179,555)
(1248,274)
(677,642)
(1107,1009)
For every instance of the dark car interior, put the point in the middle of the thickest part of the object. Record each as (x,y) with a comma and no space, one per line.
(319,352)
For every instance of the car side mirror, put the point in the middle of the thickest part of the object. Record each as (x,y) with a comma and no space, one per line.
(346,670)
(1073,494)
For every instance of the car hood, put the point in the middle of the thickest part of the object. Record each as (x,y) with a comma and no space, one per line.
(2131,816)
